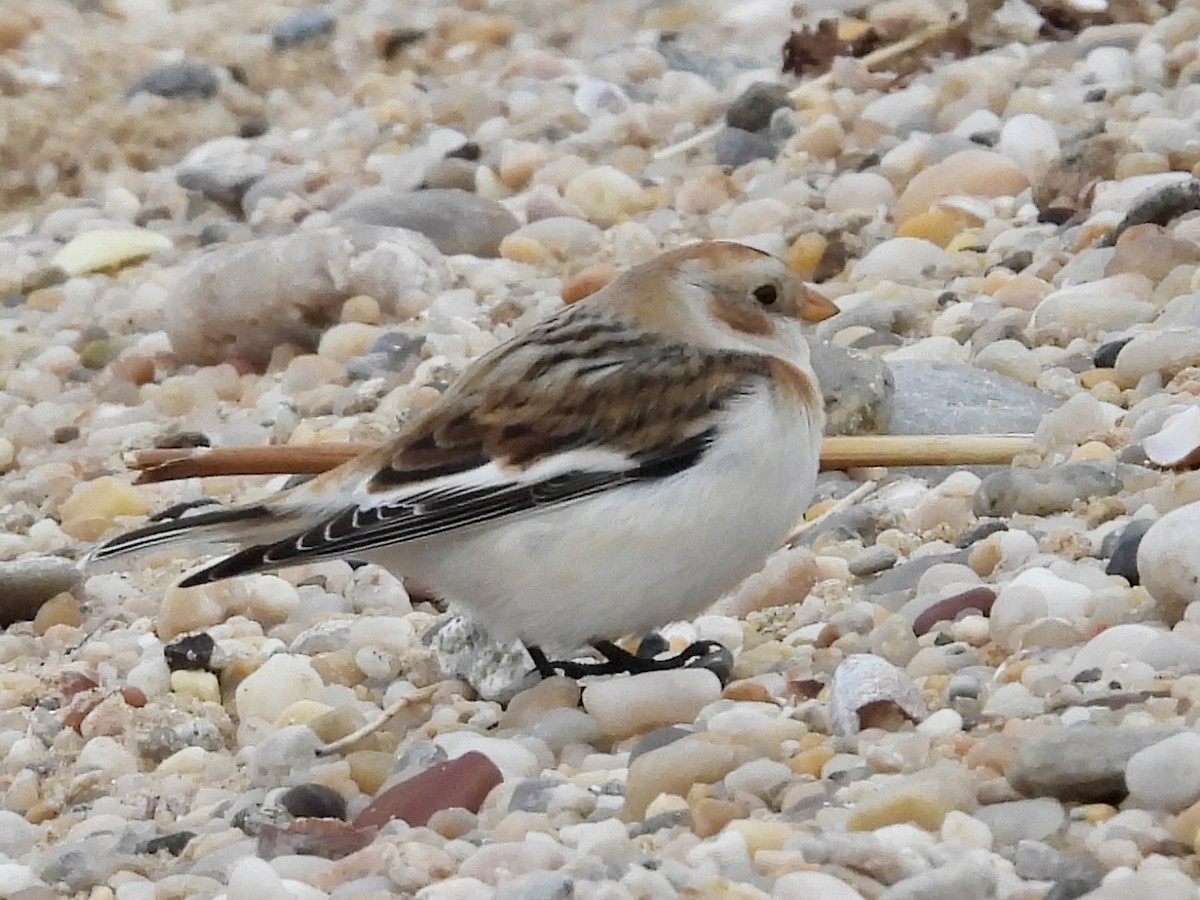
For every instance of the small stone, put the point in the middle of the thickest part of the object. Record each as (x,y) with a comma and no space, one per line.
(734,147)
(1084,763)
(875,558)
(1088,310)
(753,108)
(950,608)
(807,885)
(463,649)
(108,249)
(1168,560)
(1165,352)
(1165,775)
(314,801)
(1040,492)
(186,80)
(275,685)
(858,388)
(640,703)
(1124,557)
(676,767)
(463,782)
(980,173)
(966,878)
(606,195)
(1023,820)
(1149,251)
(93,505)
(303,27)
(200,685)
(222,170)
(27,585)
(907,259)
(923,798)
(455,221)
(192,651)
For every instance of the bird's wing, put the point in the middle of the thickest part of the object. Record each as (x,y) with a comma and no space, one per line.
(525,429)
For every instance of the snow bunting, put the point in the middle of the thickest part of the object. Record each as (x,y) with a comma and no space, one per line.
(619,466)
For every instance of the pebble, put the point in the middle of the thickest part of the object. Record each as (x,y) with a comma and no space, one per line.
(641,703)
(464,782)
(28,584)
(108,249)
(275,685)
(1167,562)
(980,173)
(803,885)
(1165,775)
(241,301)
(454,221)
(966,878)
(222,170)
(1164,352)
(1040,492)
(303,27)
(1016,821)
(313,801)
(752,109)
(187,80)
(736,147)
(1092,309)
(859,390)
(605,195)
(1083,763)
(864,680)
(968,401)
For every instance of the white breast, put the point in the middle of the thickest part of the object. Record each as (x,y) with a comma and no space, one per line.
(637,557)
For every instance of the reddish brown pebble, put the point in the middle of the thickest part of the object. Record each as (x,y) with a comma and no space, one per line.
(135,697)
(980,598)
(462,782)
(326,838)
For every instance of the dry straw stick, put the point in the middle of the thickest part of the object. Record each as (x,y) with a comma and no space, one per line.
(836,453)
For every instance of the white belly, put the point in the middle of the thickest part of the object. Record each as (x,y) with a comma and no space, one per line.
(637,557)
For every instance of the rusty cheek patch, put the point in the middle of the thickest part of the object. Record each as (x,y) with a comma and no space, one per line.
(792,383)
(740,318)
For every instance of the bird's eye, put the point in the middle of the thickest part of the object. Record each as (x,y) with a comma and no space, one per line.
(766,294)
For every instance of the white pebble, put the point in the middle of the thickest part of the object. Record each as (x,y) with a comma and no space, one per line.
(625,706)
(1165,775)
(278,683)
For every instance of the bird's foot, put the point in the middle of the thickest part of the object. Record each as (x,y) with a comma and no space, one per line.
(700,655)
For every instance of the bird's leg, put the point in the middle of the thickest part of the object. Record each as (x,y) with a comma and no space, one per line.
(702,654)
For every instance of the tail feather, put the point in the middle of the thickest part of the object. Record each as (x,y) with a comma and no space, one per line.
(215,526)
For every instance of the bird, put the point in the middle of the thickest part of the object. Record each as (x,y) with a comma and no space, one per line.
(620,465)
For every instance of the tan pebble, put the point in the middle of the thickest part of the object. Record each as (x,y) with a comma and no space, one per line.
(1140,163)
(811,761)
(1095,813)
(361,308)
(984,557)
(137,370)
(762,835)
(606,195)
(981,173)
(61,609)
(108,249)
(44,299)
(1093,377)
(922,798)
(548,694)
(370,769)
(452,823)
(522,249)
(587,281)
(15,27)
(824,138)
(41,812)
(190,609)
(664,804)
(704,192)
(337,723)
(519,160)
(675,768)
(302,712)
(1186,827)
(91,508)
(805,252)
(746,690)
(1093,450)
(763,658)
(195,683)
(709,816)
(479,28)
(338,667)
(938,226)
(786,577)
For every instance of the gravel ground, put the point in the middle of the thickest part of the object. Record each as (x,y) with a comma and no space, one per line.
(236,223)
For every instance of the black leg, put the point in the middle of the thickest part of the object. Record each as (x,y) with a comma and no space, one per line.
(702,654)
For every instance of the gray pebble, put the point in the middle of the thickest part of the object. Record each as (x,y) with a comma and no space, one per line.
(952,882)
(26,584)
(752,110)
(735,147)
(303,26)
(873,559)
(1084,763)
(222,170)
(537,886)
(178,81)
(947,398)
(1019,821)
(1041,492)
(455,221)
(1123,560)
(858,389)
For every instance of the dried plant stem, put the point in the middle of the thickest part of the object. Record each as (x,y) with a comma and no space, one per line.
(349,740)
(836,453)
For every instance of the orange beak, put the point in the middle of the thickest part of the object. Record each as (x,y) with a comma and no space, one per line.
(815,307)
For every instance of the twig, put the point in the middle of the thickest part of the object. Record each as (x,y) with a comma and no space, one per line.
(370,728)
(873,60)
(836,453)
